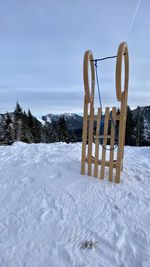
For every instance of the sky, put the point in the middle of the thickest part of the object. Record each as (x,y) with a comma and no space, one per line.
(42,44)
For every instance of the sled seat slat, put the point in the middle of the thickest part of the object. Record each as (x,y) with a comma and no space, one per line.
(97,143)
(106,121)
(100,162)
(102,136)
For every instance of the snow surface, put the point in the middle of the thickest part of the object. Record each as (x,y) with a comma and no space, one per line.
(48,210)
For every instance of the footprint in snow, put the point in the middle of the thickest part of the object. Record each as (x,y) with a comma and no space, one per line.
(131,196)
(44,215)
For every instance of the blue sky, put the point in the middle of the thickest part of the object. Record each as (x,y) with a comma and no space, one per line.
(42,46)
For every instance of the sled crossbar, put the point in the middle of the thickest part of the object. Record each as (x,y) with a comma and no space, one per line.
(95,117)
(107,163)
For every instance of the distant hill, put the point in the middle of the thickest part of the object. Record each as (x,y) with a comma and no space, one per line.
(67,127)
(73,120)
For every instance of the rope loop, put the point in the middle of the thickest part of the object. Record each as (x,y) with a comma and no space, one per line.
(100,104)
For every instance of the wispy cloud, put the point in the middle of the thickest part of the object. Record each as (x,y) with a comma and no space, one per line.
(43,43)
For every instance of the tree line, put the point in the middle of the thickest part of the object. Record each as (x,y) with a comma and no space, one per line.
(22,126)
(136,132)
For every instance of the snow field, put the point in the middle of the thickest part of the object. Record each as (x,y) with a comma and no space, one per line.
(47,209)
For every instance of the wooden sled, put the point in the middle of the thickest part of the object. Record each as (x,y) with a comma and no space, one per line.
(92,162)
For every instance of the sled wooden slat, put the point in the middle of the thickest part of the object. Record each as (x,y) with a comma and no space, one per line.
(95,117)
(97,143)
(112,142)
(90,140)
(104,143)
(84,136)
(117,117)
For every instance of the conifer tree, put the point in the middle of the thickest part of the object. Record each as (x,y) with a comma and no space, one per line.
(18,121)
(139,127)
(35,126)
(18,112)
(63,130)
(7,129)
(26,135)
(130,124)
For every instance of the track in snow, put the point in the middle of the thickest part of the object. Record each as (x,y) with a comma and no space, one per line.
(48,209)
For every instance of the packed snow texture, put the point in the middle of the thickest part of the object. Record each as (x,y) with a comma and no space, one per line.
(50,215)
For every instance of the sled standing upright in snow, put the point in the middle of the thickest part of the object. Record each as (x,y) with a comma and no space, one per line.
(95,164)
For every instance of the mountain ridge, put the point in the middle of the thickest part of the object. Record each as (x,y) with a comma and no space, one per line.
(67,127)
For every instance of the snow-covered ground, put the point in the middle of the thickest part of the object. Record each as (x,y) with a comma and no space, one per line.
(50,214)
